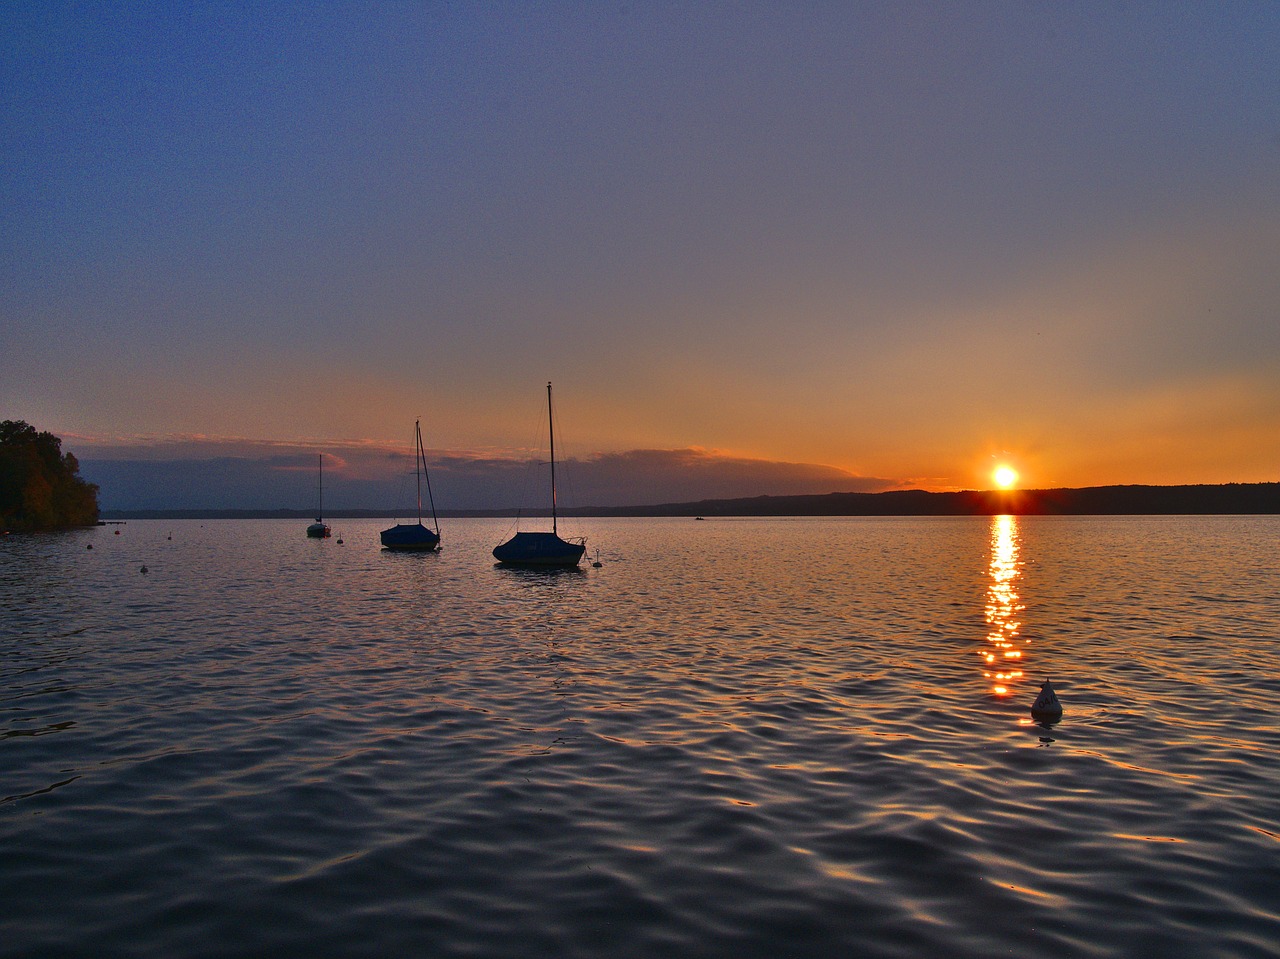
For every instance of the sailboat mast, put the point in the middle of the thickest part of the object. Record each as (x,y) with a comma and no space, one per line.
(417,464)
(552,429)
(321,488)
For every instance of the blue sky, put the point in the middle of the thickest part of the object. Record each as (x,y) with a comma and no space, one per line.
(808,246)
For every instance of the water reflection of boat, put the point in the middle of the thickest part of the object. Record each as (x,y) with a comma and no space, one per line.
(319,529)
(415,536)
(543,548)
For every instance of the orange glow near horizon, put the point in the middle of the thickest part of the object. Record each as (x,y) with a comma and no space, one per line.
(1005,476)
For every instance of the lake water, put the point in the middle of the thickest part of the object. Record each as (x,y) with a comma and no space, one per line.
(736,738)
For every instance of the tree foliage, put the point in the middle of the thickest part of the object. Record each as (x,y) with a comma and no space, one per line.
(40,486)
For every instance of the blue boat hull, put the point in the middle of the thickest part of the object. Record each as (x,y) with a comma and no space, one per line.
(410,536)
(538,549)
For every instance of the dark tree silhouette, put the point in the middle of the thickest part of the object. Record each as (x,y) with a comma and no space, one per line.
(40,486)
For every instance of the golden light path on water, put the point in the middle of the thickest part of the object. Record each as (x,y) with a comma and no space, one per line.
(1003,651)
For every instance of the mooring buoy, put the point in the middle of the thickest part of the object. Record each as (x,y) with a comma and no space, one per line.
(1046,708)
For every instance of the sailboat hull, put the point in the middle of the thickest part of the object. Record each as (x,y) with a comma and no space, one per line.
(318,530)
(538,549)
(410,536)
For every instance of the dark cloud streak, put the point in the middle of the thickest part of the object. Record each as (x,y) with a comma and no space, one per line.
(378,478)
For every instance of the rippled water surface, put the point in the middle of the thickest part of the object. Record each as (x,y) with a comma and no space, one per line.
(734,738)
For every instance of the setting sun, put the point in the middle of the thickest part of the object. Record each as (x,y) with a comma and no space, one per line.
(1005,477)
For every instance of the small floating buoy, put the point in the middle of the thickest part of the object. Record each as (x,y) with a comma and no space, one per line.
(90,546)
(339,540)
(597,564)
(144,569)
(1046,707)
(117,532)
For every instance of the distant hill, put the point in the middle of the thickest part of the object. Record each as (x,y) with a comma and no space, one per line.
(1099,500)
(1103,500)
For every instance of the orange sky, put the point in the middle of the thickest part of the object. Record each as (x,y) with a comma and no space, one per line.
(880,246)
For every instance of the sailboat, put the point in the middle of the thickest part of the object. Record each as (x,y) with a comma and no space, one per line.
(319,529)
(542,549)
(415,536)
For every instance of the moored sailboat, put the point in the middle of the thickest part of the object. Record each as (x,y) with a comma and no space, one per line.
(319,529)
(543,548)
(415,536)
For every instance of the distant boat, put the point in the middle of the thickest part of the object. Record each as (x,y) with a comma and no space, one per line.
(415,536)
(319,529)
(543,549)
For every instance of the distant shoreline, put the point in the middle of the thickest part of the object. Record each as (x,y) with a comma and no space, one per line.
(1228,498)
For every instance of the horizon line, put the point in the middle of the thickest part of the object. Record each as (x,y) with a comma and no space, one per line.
(1139,498)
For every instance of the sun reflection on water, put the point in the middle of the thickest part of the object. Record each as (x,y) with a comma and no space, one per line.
(1003,652)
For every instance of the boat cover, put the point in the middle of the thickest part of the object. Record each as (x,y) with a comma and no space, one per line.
(538,549)
(409,536)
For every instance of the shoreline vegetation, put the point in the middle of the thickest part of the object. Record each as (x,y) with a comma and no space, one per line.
(40,486)
(1228,498)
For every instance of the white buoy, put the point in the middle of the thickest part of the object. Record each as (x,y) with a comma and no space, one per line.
(1046,707)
